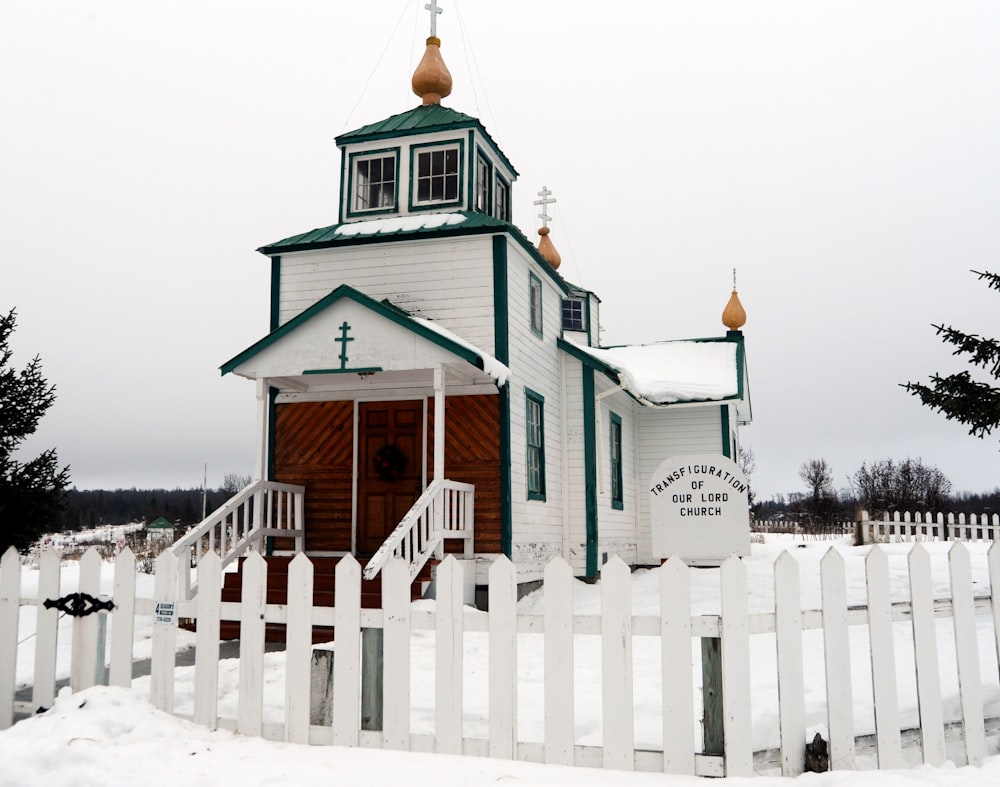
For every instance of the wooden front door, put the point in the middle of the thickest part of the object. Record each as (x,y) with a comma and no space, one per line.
(390,448)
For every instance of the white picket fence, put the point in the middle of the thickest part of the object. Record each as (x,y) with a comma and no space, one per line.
(617,629)
(926,526)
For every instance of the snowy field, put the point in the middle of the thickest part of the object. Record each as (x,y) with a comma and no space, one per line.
(112,736)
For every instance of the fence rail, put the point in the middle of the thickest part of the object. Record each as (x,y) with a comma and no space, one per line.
(681,747)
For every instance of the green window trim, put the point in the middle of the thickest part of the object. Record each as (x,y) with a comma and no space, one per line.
(501,200)
(483,187)
(353,160)
(444,146)
(615,457)
(535,304)
(534,441)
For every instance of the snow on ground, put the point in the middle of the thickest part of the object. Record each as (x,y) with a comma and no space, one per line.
(111,736)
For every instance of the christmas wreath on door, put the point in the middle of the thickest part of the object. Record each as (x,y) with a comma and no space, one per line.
(389,462)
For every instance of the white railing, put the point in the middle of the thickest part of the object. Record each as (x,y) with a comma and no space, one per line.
(638,666)
(445,510)
(264,509)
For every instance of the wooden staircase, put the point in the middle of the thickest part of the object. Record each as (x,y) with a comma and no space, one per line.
(323,593)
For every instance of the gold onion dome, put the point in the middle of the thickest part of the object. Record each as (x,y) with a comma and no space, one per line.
(432,80)
(547,249)
(734,316)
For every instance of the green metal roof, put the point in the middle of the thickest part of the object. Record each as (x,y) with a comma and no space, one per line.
(404,226)
(424,119)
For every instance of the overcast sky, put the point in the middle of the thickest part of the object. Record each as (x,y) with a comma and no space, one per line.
(843,157)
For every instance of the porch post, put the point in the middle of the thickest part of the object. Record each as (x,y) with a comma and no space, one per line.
(438,423)
(262,408)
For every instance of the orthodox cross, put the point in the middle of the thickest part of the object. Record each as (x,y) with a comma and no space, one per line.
(432,6)
(545,201)
(344,339)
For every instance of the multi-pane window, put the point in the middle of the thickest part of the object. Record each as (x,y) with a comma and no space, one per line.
(573,315)
(484,182)
(535,433)
(615,432)
(375,183)
(536,305)
(502,202)
(437,175)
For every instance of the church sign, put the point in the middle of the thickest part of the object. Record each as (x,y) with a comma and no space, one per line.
(699,509)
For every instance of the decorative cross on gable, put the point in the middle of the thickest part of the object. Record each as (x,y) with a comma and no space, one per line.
(432,6)
(545,201)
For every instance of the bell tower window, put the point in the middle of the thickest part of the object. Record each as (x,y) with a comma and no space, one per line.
(502,211)
(375,182)
(437,175)
(484,183)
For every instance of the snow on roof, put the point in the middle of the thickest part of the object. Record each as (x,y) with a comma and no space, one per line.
(676,371)
(491,365)
(400,224)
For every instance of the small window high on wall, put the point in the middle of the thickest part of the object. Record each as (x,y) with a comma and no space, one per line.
(615,434)
(534,418)
(436,179)
(484,183)
(573,314)
(375,182)
(502,202)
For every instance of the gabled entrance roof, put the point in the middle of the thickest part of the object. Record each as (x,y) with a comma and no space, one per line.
(349,332)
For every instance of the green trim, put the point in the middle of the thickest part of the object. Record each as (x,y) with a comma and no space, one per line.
(727,440)
(445,144)
(363,370)
(352,159)
(532,281)
(381,308)
(590,469)
(506,482)
(501,301)
(590,336)
(474,179)
(272,407)
(529,397)
(275,291)
(615,468)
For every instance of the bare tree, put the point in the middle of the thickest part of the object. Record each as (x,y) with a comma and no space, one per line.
(909,485)
(748,463)
(234,482)
(820,500)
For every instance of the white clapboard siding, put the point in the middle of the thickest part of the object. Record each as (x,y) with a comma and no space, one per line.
(123,620)
(557,626)
(10,607)
(967,653)
(791,681)
(883,661)
(925,656)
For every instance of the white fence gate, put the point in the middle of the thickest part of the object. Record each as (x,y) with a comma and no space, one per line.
(617,629)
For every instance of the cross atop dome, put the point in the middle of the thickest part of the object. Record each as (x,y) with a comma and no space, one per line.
(545,245)
(546,200)
(432,6)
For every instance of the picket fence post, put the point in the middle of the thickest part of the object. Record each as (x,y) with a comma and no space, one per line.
(10,606)
(736,668)
(298,649)
(347,650)
(503,659)
(164,654)
(925,656)
(206,654)
(993,563)
(791,682)
(837,652)
(616,665)
(560,735)
(448,662)
(676,668)
(970,686)
(253,598)
(396,628)
(43,693)
(123,630)
(883,661)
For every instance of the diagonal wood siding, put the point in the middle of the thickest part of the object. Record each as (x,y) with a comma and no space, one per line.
(314,447)
(472,455)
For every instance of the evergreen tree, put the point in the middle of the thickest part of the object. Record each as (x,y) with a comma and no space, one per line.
(958,396)
(31,492)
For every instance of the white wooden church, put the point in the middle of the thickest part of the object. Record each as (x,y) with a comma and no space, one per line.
(431,379)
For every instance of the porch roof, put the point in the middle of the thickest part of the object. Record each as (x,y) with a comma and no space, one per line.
(674,372)
(386,338)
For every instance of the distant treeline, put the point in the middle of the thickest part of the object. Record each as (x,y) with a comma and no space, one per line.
(88,508)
